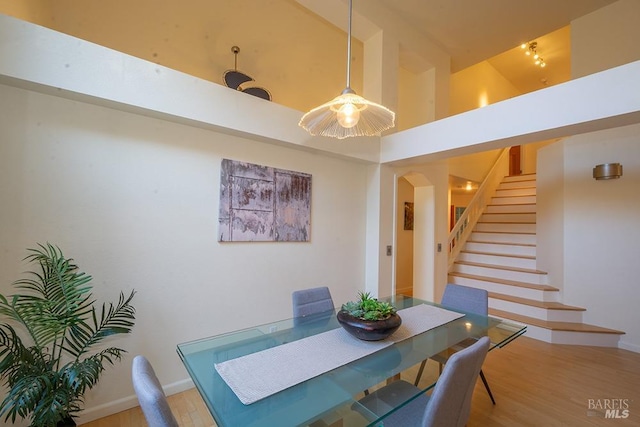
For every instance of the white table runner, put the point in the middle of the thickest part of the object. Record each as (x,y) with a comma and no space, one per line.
(258,375)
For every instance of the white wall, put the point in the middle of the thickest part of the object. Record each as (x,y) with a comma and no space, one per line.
(424,240)
(602,231)
(588,233)
(550,192)
(134,200)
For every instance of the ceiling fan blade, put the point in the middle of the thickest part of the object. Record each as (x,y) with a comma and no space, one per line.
(259,92)
(234,78)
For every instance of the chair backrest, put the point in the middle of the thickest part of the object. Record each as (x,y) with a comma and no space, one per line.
(450,402)
(311,301)
(150,395)
(465,298)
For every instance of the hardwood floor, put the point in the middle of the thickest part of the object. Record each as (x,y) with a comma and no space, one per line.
(534,383)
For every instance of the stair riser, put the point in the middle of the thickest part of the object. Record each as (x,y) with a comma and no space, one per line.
(508,217)
(524,239)
(507,261)
(573,338)
(505,228)
(515,291)
(529,208)
(518,276)
(517,250)
(513,200)
(531,191)
(536,312)
(516,184)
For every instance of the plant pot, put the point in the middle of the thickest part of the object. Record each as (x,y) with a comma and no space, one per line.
(67,422)
(369,330)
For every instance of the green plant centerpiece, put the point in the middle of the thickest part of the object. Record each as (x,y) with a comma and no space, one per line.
(368,318)
(51,338)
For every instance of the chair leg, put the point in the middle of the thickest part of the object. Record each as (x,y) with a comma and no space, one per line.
(486,385)
(424,362)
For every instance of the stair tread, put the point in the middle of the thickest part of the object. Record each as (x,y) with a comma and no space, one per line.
(554,326)
(515,195)
(499,254)
(521,175)
(506,282)
(549,305)
(501,243)
(502,267)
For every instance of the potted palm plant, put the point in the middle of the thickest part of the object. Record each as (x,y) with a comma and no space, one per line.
(49,336)
(368,318)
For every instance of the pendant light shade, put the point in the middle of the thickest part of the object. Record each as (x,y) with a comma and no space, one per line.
(348,114)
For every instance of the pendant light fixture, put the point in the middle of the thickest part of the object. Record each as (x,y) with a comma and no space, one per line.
(348,114)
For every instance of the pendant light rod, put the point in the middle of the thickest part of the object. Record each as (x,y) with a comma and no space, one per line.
(349,48)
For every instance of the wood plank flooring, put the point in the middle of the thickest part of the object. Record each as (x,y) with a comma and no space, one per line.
(535,384)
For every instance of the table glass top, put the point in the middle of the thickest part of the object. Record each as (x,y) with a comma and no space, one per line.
(330,396)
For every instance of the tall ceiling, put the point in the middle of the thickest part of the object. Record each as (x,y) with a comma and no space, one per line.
(472,31)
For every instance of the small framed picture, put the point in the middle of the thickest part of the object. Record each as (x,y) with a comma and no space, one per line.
(408,215)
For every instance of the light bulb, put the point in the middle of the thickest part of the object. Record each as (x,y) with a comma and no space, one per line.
(535,56)
(542,64)
(538,62)
(528,53)
(348,115)
(523,46)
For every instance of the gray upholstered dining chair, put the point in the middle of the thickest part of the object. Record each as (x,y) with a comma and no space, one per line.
(150,395)
(311,301)
(448,405)
(470,300)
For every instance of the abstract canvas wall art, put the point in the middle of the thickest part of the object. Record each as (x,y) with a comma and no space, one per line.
(261,203)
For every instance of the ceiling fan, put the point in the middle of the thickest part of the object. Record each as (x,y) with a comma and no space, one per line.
(234,78)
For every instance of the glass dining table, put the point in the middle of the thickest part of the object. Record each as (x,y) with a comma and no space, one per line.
(330,398)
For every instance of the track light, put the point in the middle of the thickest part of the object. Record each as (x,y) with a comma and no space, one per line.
(530,49)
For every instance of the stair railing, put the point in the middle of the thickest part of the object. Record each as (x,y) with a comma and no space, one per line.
(474,210)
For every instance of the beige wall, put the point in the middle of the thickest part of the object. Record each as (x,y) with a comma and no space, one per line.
(416,98)
(404,241)
(477,86)
(605,38)
(195,37)
(37,11)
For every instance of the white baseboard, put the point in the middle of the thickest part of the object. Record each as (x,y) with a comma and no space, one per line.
(119,405)
(629,346)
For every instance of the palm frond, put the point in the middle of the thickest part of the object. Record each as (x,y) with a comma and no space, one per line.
(113,320)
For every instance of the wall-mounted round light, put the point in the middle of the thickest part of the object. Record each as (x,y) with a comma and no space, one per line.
(607,171)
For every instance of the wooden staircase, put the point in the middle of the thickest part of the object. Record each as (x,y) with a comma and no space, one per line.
(500,256)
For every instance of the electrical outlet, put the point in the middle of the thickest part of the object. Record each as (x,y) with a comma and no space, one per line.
(389,250)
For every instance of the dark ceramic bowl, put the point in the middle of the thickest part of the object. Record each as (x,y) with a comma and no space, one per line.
(369,330)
